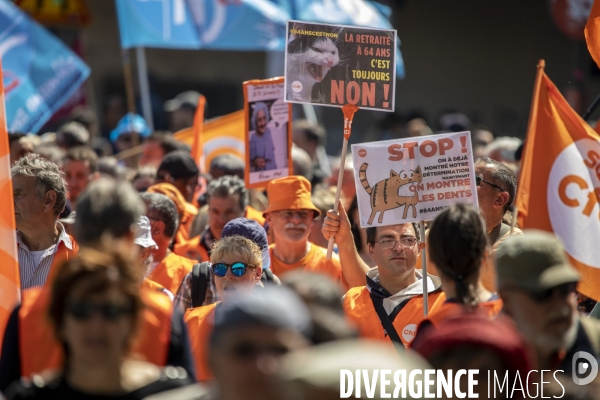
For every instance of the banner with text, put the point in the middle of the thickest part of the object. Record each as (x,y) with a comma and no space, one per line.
(334,65)
(413,179)
(268,132)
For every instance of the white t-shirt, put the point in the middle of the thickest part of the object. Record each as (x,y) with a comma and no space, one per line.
(37,255)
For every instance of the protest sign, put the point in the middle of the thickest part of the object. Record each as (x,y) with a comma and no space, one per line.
(40,72)
(268,132)
(414,179)
(334,65)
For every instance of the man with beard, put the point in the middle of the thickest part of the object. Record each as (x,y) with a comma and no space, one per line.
(290,215)
(537,284)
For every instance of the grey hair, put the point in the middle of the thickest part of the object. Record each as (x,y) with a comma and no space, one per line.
(107,207)
(164,209)
(48,177)
(503,177)
(226,186)
(258,106)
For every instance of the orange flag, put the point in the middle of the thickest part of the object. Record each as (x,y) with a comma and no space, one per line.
(9,266)
(559,184)
(219,136)
(197,151)
(592,32)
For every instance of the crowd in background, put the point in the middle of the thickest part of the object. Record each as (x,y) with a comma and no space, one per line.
(142,274)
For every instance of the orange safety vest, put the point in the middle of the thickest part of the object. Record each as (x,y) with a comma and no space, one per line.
(171,271)
(359,308)
(200,322)
(192,249)
(40,350)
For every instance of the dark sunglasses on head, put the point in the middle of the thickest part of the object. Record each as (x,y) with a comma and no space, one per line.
(83,310)
(237,268)
(479,179)
(246,350)
(563,290)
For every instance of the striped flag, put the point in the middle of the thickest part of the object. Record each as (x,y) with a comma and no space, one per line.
(9,270)
(221,135)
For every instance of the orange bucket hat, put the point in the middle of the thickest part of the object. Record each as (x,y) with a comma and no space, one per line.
(290,193)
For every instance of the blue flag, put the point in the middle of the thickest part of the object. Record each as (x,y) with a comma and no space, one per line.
(237,24)
(209,24)
(40,73)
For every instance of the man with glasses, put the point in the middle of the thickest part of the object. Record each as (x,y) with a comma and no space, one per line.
(496,191)
(290,215)
(237,268)
(391,305)
(537,285)
(168,268)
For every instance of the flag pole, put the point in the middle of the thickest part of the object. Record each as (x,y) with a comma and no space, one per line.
(348,110)
(142,69)
(423,246)
(591,108)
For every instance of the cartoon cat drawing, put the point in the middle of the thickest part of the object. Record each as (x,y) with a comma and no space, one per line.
(309,59)
(392,192)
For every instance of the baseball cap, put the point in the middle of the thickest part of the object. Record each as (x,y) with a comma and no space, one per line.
(275,306)
(290,193)
(130,123)
(188,98)
(179,164)
(534,262)
(143,236)
(251,230)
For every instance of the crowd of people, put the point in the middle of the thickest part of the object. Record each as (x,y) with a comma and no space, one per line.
(142,275)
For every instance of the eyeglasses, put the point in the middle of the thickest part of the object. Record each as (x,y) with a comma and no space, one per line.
(479,179)
(237,269)
(83,310)
(289,214)
(246,350)
(406,242)
(562,290)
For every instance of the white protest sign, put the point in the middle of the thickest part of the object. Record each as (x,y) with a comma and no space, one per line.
(413,179)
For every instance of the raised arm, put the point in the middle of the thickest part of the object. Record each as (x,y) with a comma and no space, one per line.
(353,267)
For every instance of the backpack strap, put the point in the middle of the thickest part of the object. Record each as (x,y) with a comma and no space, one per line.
(200,279)
(386,321)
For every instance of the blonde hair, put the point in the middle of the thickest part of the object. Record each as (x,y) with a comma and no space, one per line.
(238,248)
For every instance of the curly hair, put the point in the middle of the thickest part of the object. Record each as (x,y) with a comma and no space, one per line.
(238,247)
(48,177)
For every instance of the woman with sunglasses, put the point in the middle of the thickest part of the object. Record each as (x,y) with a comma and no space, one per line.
(95,308)
(457,247)
(237,266)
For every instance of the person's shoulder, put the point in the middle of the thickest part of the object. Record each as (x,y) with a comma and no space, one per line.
(320,253)
(181,260)
(152,380)
(199,314)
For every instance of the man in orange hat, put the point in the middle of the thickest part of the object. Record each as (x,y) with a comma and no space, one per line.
(290,215)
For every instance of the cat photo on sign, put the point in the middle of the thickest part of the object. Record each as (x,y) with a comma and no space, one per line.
(392,192)
(309,60)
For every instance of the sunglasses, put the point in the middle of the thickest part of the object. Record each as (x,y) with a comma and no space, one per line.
(562,290)
(479,179)
(237,268)
(246,350)
(83,310)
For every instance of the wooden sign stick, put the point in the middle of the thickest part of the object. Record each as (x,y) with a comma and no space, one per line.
(348,110)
